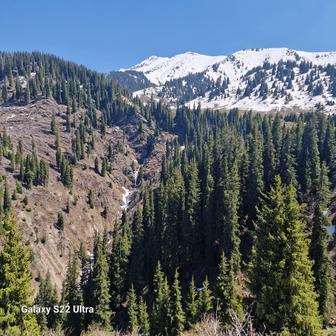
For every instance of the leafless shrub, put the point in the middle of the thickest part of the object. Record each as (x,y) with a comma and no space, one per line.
(210,326)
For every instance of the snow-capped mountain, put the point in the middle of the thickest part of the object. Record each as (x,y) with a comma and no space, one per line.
(258,79)
(159,70)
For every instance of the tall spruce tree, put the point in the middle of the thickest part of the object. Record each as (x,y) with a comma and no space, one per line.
(161,314)
(226,292)
(133,311)
(72,297)
(137,261)
(310,158)
(192,309)
(322,268)
(15,288)
(46,297)
(101,285)
(7,202)
(119,263)
(282,279)
(144,326)
(205,299)
(191,230)
(177,313)
(230,234)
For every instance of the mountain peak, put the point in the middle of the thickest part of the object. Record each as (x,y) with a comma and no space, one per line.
(159,70)
(263,79)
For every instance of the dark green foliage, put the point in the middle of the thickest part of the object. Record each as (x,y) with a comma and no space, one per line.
(205,299)
(322,268)
(133,320)
(119,263)
(90,199)
(43,173)
(60,221)
(15,287)
(53,124)
(192,308)
(282,278)
(177,313)
(103,169)
(19,187)
(69,84)
(161,314)
(144,326)
(72,296)
(226,292)
(310,158)
(137,262)
(100,283)
(96,165)
(7,202)
(25,201)
(46,297)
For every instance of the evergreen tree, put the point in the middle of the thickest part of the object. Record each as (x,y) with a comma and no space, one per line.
(208,206)
(68,119)
(85,283)
(137,262)
(47,297)
(144,326)
(282,278)
(96,165)
(175,189)
(119,263)
(226,292)
(103,169)
(72,297)
(191,230)
(53,124)
(310,158)
(254,186)
(205,300)
(287,160)
(322,268)
(269,153)
(101,285)
(192,309)
(133,321)
(153,222)
(15,288)
(177,313)
(161,315)
(7,201)
(60,221)
(231,240)
(90,199)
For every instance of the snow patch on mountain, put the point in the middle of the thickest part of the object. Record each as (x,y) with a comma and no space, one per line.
(159,70)
(220,81)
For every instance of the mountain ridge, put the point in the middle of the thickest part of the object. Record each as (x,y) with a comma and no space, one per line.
(239,80)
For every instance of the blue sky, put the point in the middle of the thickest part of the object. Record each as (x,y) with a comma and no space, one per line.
(106,35)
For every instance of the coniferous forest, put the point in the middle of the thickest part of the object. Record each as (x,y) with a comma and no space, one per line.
(239,225)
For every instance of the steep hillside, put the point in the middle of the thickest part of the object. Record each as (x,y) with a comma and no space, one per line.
(50,245)
(31,102)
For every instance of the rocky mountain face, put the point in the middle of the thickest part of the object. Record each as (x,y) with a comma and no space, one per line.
(258,79)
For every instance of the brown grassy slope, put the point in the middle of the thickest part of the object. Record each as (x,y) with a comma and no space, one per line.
(50,246)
